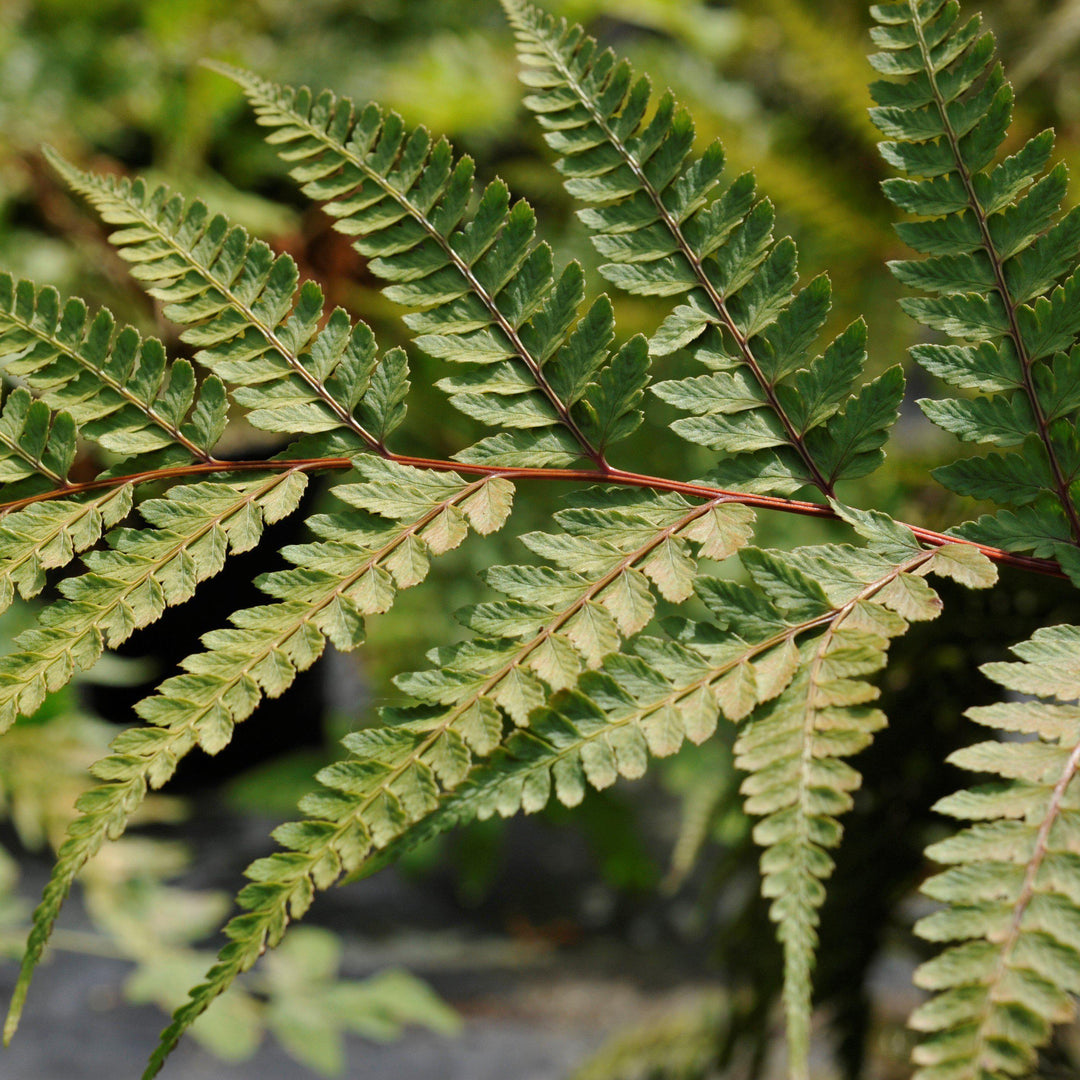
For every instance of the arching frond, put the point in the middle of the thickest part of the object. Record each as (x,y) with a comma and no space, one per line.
(255,327)
(1002,270)
(484,289)
(555,623)
(784,418)
(1012,905)
(354,571)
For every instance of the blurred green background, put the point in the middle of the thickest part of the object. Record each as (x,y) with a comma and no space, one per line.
(116,85)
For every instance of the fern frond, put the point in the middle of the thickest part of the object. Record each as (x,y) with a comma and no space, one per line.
(146,570)
(1001,268)
(354,571)
(36,443)
(484,290)
(47,535)
(555,623)
(118,388)
(256,328)
(411,779)
(784,418)
(1011,891)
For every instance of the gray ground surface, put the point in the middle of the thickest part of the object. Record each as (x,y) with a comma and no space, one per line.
(532,1009)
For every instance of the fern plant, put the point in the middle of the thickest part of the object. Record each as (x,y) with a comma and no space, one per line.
(567,678)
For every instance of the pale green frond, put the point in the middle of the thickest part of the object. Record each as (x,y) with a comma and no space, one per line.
(144,571)
(331,586)
(1011,893)
(1001,266)
(119,389)
(783,417)
(484,292)
(47,535)
(556,623)
(256,327)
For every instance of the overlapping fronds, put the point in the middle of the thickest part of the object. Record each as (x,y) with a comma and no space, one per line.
(405,516)
(118,388)
(1001,270)
(1012,888)
(564,679)
(556,622)
(256,328)
(783,417)
(484,290)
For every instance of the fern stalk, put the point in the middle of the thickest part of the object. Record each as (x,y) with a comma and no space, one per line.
(621,477)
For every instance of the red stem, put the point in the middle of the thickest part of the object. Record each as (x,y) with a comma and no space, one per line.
(590,476)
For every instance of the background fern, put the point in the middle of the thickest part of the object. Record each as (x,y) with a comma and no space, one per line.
(615,643)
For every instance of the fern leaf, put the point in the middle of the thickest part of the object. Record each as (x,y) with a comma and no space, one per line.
(118,388)
(555,624)
(47,535)
(1011,907)
(145,570)
(484,290)
(34,442)
(255,328)
(332,585)
(784,418)
(1001,267)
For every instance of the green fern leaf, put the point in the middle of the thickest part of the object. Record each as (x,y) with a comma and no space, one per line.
(484,289)
(554,624)
(668,229)
(1001,264)
(1011,906)
(241,305)
(117,388)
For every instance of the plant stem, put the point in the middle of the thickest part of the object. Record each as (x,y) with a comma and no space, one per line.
(588,476)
